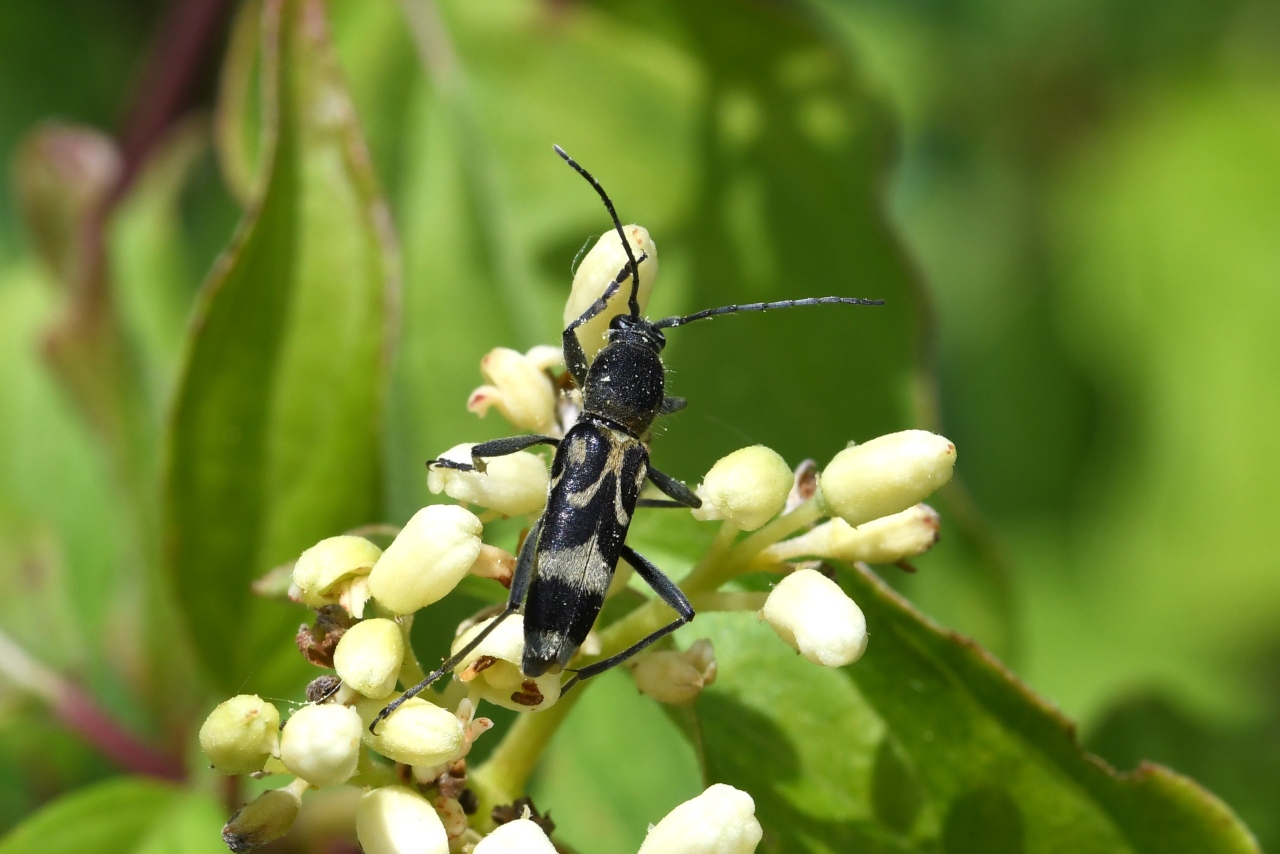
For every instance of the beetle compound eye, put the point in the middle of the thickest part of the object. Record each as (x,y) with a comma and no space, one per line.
(599,268)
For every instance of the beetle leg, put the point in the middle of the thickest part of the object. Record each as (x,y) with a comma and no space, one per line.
(674,489)
(574,358)
(667,591)
(520,580)
(495,448)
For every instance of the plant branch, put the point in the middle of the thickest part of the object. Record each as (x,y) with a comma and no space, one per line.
(76,709)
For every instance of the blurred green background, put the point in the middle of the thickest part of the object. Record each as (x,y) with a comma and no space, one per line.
(1075,204)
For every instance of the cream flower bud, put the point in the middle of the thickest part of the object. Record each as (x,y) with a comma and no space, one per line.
(496,564)
(722,820)
(675,677)
(748,488)
(262,820)
(494,668)
(418,733)
(814,616)
(427,559)
(397,820)
(886,475)
(369,656)
(518,385)
(321,744)
(521,836)
(240,734)
(319,569)
(885,540)
(598,268)
(513,484)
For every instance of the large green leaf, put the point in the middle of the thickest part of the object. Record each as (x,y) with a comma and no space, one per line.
(276,435)
(926,744)
(122,816)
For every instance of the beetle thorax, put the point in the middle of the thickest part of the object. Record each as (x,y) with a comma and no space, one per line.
(626,383)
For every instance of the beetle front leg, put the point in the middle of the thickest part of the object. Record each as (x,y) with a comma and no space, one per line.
(495,448)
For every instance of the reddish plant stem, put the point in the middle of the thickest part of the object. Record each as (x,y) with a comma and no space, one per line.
(79,713)
(77,710)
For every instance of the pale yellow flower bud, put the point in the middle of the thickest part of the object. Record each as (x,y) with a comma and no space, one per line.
(321,570)
(397,820)
(886,540)
(417,733)
(427,559)
(748,488)
(675,677)
(240,734)
(521,836)
(886,475)
(494,668)
(321,744)
(513,484)
(518,385)
(815,617)
(495,563)
(262,820)
(722,820)
(598,268)
(369,656)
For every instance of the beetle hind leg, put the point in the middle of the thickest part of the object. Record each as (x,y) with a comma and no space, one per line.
(667,591)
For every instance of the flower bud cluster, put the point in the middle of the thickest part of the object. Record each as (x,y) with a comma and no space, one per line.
(872,492)
(869,494)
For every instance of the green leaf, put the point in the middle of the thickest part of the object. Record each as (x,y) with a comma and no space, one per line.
(121,816)
(926,743)
(1239,762)
(275,441)
(972,729)
(803,742)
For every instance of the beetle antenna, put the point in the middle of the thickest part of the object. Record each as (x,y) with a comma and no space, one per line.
(633,303)
(670,322)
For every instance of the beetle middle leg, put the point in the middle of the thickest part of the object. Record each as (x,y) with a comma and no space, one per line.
(667,591)
(674,489)
(520,581)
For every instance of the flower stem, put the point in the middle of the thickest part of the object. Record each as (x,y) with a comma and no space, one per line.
(502,777)
(783,526)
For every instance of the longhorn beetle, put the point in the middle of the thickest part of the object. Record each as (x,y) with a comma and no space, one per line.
(569,557)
